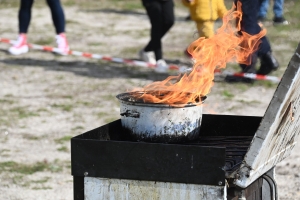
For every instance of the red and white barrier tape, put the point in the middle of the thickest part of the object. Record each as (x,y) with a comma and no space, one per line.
(99,57)
(181,69)
(249,75)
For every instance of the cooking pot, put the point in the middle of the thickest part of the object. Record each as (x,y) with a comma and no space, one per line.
(156,122)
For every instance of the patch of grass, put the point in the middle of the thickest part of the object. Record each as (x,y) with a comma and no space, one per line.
(129,51)
(77,128)
(21,112)
(68,21)
(19,180)
(227,94)
(9,3)
(84,103)
(242,87)
(175,54)
(64,107)
(3,139)
(14,167)
(43,180)
(101,114)
(248,102)
(8,95)
(266,84)
(63,149)
(60,77)
(5,153)
(64,139)
(42,110)
(42,188)
(6,101)
(44,41)
(96,44)
(4,150)
(110,119)
(30,137)
(232,108)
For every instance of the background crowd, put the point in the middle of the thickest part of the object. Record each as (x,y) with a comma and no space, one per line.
(161,17)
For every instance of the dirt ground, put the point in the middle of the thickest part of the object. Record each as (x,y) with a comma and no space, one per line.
(46,99)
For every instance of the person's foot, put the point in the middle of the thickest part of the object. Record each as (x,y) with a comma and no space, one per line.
(187,54)
(62,44)
(148,57)
(268,63)
(238,79)
(188,18)
(261,19)
(280,21)
(20,46)
(161,66)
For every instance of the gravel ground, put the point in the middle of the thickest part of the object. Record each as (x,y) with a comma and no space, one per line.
(47,99)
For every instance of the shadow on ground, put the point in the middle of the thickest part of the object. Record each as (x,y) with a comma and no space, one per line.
(90,69)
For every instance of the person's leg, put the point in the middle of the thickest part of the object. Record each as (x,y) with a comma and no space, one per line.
(249,25)
(58,16)
(263,9)
(154,11)
(278,8)
(278,13)
(24,15)
(168,16)
(205,28)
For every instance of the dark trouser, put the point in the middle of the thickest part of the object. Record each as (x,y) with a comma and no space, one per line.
(249,25)
(57,13)
(161,15)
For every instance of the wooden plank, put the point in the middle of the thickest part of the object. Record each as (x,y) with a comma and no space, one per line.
(279,129)
(111,189)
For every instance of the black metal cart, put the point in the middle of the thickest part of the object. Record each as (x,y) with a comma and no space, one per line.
(234,157)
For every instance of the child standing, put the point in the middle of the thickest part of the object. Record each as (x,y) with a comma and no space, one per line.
(205,13)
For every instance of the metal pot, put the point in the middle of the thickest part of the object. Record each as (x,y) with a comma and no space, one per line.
(153,122)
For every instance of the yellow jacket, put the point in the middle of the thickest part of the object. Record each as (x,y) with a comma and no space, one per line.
(204,10)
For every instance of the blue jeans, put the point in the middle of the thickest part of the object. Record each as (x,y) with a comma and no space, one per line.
(277,8)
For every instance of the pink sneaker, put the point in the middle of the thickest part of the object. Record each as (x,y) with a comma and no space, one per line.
(20,46)
(62,44)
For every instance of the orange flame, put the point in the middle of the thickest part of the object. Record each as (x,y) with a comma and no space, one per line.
(227,45)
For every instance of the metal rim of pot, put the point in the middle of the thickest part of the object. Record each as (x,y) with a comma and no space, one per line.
(123,97)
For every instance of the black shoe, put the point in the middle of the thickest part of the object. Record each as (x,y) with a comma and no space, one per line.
(238,79)
(252,67)
(280,20)
(188,18)
(268,63)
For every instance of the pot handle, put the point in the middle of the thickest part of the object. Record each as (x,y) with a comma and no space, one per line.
(129,113)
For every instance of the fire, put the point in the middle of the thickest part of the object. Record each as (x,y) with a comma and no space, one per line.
(229,44)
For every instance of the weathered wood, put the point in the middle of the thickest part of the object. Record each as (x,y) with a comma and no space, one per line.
(101,188)
(279,128)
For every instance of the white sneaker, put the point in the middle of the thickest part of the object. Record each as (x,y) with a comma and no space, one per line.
(62,44)
(20,46)
(147,56)
(161,66)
